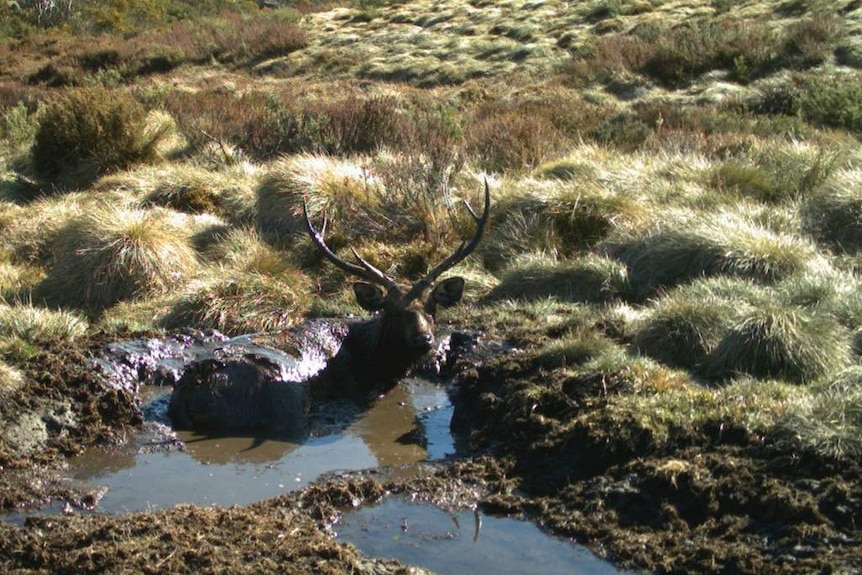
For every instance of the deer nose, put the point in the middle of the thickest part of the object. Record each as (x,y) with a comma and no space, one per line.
(424,340)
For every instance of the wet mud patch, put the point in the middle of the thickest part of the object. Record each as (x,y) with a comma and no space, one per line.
(61,408)
(710,499)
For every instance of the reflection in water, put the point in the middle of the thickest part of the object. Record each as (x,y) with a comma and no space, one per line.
(229,470)
(423,535)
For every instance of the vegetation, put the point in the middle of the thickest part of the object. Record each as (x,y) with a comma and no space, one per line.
(676,195)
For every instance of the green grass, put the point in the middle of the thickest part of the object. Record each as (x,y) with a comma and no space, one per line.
(827,423)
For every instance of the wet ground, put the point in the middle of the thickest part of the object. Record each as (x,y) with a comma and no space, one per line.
(706,502)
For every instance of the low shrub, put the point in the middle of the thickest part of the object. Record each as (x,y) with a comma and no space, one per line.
(831,102)
(516,137)
(91,132)
(262,125)
(812,40)
(745,48)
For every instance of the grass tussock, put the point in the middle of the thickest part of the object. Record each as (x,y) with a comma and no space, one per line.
(828,423)
(780,342)
(25,328)
(340,188)
(724,244)
(36,324)
(11,378)
(590,278)
(32,239)
(247,303)
(834,216)
(684,327)
(114,255)
(576,348)
(557,218)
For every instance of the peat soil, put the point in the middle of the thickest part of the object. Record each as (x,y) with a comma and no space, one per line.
(711,500)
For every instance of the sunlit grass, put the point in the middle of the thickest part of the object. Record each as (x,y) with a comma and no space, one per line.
(113,255)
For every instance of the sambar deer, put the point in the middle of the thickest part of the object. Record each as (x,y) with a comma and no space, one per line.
(237,389)
(379,351)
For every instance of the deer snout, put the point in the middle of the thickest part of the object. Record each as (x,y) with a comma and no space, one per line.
(423,340)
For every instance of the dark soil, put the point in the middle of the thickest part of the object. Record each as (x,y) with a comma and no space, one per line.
(711,500)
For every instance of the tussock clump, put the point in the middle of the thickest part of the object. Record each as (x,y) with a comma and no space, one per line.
(115,255)
(747,181)
(829,423)
(556,218)
(16,280)
(228,192)
(590,278)
(11,378)
(36,324)
(243,250)
(576,348)
(92,132)
(685,326)
(760,254)
(665,258)
(32,238)
(834,216)
(249,303)
(341,188)
(725,244)
(784,342)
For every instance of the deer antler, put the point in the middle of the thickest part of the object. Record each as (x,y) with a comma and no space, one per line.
(364,270)
(464,250)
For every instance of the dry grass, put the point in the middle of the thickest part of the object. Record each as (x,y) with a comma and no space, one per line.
(247,303)
(11,378)
(115,254)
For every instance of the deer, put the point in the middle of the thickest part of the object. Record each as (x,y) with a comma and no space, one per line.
(373,356)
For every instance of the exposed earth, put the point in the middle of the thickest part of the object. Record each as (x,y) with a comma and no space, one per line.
(708,501)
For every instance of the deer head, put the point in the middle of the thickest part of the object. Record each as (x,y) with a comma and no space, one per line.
(379,351)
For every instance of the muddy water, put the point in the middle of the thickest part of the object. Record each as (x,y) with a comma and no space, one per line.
(463,541)
(160,468)
(157,467)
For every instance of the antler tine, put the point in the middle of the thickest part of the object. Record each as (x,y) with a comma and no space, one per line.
(365,270)
(464,250)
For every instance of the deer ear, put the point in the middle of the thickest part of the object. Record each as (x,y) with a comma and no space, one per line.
(369,296)
(446,293)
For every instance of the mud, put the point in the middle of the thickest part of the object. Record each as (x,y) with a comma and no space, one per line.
(709,500)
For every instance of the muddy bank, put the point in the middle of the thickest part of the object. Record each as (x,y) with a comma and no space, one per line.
(711,499)
(267,537)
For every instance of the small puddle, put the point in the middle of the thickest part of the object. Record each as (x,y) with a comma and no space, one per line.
(426,536)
